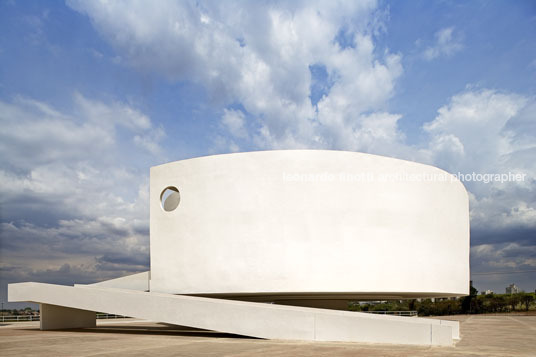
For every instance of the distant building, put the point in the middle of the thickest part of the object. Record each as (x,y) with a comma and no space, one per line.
(487,292)
(512,289)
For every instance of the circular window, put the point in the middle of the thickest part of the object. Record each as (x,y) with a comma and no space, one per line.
(170,198)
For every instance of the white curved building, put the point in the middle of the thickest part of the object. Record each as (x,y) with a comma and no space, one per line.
(308,228)
(309,223)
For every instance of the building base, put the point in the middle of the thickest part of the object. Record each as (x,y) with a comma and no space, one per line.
(55,317)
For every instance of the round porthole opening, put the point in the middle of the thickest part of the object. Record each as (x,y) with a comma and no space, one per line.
(170,198)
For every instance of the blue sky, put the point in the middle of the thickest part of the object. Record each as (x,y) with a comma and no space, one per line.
(92,94)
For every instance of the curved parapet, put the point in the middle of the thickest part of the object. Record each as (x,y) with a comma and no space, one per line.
(308,223)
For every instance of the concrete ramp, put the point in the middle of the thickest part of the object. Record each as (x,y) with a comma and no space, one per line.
(243,318)
(139,281)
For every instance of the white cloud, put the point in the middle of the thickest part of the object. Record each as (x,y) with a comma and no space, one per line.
(72,191)
(150,141)
(259,55)
(448,42)
(504,257)
(234,121)
(108,116)
(473,122)
(479,131)
(500,256)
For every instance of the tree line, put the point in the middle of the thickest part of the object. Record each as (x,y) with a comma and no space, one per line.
(471,304)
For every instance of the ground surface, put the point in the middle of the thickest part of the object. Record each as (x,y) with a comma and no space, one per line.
(482,335)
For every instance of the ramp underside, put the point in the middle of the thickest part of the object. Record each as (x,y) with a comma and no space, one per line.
(238,317)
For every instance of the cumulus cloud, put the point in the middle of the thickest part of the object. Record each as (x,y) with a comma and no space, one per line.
(507,255)
(473,123)
(260,55)
(73,199)
(234,121)
(476,132)
(447,43)
(489,261)
(489,132)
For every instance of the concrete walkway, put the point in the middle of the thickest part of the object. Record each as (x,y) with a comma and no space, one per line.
(482,335)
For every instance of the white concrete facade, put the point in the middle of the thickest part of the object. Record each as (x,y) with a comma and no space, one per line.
(302,227)
(300,222)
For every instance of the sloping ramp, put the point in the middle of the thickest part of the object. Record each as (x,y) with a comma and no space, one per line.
(243,318)
(139,281)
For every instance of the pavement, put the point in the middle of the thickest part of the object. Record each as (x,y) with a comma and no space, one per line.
(482,335)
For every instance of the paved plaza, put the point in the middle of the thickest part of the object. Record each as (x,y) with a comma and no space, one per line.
(482,335)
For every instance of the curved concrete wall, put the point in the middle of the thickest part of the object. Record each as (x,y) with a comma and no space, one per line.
(309,223)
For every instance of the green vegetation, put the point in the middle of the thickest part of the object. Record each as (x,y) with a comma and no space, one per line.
(17,312)
(472,304)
